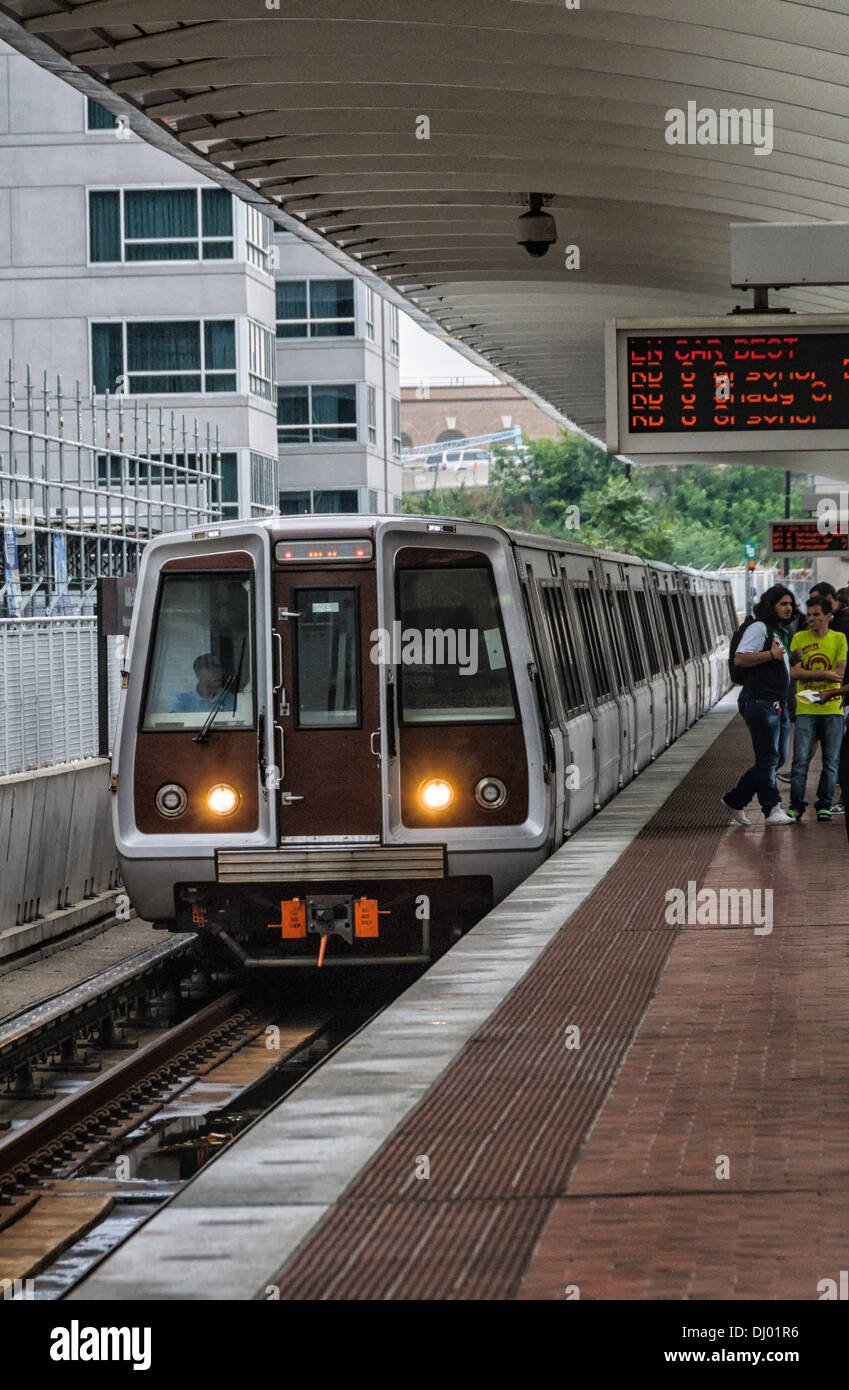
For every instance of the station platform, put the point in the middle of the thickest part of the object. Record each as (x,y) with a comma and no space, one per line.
(586,1098)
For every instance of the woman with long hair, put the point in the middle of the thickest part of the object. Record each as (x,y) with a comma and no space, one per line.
(764,704)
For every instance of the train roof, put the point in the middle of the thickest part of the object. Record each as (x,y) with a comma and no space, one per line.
(359,523)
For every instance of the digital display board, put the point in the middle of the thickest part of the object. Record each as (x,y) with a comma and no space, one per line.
(748,381)
(743,382)
(323,550)
(802,538)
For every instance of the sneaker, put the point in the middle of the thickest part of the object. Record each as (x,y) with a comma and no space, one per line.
(779,817)
(734,811)
(794,815)
(823,814)
(838,809)
(783,776)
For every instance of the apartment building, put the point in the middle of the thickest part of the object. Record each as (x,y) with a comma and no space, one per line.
(338,388)
(125,270)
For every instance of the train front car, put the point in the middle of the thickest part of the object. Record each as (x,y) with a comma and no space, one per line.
(329,747)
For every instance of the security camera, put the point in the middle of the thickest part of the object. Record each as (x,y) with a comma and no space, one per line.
(537,229)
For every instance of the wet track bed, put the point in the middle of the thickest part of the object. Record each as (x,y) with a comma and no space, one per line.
(81,1176)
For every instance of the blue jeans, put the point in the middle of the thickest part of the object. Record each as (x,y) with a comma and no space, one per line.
(828,728)
(770,734)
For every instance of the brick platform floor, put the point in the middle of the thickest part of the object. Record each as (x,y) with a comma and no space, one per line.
(703,1050)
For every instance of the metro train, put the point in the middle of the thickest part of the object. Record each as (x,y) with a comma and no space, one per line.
(343,739)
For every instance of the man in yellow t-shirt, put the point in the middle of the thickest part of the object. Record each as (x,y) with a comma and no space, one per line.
(817,663)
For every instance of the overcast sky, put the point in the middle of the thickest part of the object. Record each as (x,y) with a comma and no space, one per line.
(424,357)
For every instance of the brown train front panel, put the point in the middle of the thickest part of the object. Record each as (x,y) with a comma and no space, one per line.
(229,756)
(461,754)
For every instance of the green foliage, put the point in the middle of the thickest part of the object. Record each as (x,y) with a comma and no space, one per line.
(685,514)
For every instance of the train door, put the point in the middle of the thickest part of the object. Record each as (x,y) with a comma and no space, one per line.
(326,710)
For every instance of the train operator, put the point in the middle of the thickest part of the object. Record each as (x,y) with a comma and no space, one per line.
(210,679)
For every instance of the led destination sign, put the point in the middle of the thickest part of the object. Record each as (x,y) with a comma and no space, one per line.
(746,381)
(803,538)
(740,383)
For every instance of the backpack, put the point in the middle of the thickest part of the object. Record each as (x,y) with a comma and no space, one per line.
(737,673)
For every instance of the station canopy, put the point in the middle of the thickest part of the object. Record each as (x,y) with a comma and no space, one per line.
(314,111)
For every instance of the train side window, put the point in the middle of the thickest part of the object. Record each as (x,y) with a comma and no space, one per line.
(684,645)
(592,637)
(455,665)
(327,659)
(652,647)
(623,598)
(614,643)
(554,611)
(202,649)
(669,624)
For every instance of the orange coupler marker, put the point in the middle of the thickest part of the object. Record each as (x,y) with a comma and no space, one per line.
(199,915)
(321,951)
(293,919)
(365,917)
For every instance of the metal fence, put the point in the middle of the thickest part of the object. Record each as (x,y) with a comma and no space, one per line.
(85,482)
(48,691)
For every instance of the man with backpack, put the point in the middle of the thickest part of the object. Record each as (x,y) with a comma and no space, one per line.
(758,661)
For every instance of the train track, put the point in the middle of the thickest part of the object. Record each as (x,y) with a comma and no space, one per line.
(40,1161)
(30,1036)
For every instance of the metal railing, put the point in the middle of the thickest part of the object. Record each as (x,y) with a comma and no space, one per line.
(48,691)
(85,481)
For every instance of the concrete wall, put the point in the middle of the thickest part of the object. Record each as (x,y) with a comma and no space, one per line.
(56,845)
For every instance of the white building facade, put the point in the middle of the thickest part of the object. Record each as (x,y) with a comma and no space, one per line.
(123,269)
(338,388)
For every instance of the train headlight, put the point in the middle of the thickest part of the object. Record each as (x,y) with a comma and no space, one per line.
(437,794)
(490,793)
(222,799)
(171,799)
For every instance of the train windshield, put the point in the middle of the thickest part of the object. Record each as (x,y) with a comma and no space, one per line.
(454,666)
(202,653)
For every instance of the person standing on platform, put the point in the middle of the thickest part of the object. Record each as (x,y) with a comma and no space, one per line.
(817,664)
(834,607)
(763,703)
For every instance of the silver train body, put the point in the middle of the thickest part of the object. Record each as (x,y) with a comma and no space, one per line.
(359,795)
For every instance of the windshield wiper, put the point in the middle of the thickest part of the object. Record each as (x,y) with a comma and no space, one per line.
(231,683)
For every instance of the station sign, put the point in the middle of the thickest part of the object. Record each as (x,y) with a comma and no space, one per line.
(747,382)
(803,538)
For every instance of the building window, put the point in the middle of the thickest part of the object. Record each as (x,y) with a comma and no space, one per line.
(160,224)
(158,357)
(260,361)
(312,500)
(98,118)
(370,314)
(316,414)
(396,428)
(258,237)
(372,499)
(393,330)
(397,506)
(263,484)
(315,308)
(371,413)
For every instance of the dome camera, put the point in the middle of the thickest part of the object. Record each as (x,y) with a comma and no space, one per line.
(537,230)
